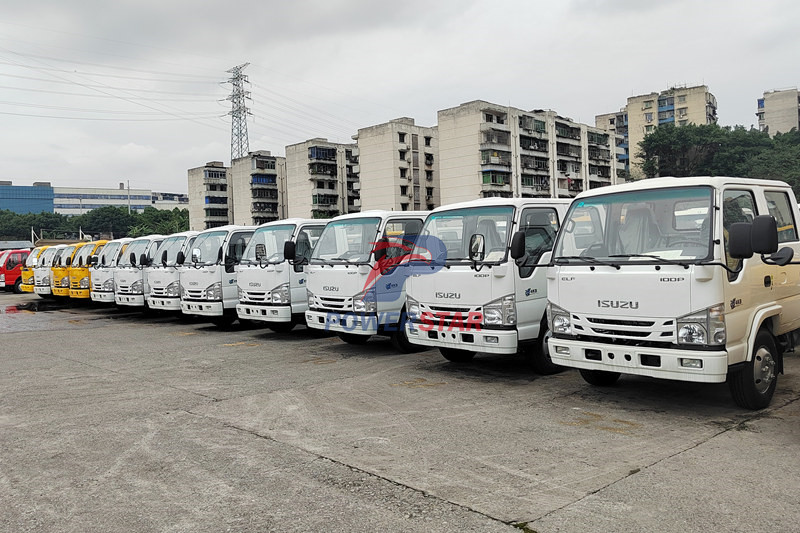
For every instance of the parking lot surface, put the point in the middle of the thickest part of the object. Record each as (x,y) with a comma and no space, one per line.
(112,420)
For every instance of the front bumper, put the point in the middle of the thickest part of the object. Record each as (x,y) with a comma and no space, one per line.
(133,300)
(357,324)
(202,308)
(629,359)
(102,296)
(27,287)
(267,313)
(500,341)
(42,289)
(167,304)
(58,291)
(79,293)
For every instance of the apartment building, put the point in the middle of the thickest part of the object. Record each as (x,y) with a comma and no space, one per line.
(208,196)
(399,164)
(322,179)
(490,150)
(257,188)
(677,106)
(779,111)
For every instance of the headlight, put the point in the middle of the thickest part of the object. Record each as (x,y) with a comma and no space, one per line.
(108,285)
(558,319)
(2,278)
(184,294)
(310,296)
(239,293)
(136,286)
(84,282)
(173,290)
(364,302)
(280,294)
(214,291)
(412,307)
(501,312)
(65,281)
(46,280)
(703,327)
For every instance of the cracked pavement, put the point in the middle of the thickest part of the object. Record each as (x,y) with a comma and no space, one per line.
(114,421)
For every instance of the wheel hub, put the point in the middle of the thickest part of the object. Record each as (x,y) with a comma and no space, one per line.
(763,370)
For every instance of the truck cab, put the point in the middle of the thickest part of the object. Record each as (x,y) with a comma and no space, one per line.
(272,288)
(79,279)
(480,295)
(658,278)
(355,283)
(163,279)
(59,273)
(11,264)
(27,277)
(130,278)
(102,272)
(42,271)
(208,274)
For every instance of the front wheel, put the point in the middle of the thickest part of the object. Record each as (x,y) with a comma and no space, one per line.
(224,320)
(752,387)
(18,286)
(279,327)
(352,338)
(401,343)
(538,355)
(599,378)
(457,356)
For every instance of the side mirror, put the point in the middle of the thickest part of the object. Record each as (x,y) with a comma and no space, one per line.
(68,262)
(477,247)
(164,258)
(181,259)
(92,260)
(196,255)
(261,252)
(764,235)
(80,261)
(103,260)
(143,260)
(133,259)
(289,250)
(380,248)
(740,242)
(518,245)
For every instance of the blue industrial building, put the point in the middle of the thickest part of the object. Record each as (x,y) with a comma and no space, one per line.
(22,199)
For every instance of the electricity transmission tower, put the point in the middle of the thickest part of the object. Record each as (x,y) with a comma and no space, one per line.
(240,145)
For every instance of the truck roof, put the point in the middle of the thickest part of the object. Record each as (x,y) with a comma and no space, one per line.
(381,213)
(228,227)
(298,221)
(692,181)
(515,202)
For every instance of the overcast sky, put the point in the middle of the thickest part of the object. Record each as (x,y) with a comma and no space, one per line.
(94,92)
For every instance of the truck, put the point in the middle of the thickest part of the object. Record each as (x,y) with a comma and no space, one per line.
(163,280)
(489,297)
(11,264)
(79,277)
(208,274)
(354,277)
(28,281)
(59,272)
(272,288)
(129,275)
(678,278)
(102,270)
(43,270)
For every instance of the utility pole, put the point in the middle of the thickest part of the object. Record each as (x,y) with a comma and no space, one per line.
(129,197)
(240,144)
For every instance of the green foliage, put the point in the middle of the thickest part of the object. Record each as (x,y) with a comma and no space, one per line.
(106,221)
(711,150)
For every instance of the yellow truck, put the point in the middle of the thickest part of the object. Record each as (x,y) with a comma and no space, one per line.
(79,279)
(28,281)
(59,273)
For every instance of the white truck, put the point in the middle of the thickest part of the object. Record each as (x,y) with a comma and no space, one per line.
(484,296)
(130,278)
(42,270)
(163,287)
(102,270)
(349,292)
(208,274)
(657,278)
(272,289)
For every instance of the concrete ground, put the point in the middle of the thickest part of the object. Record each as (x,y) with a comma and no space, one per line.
(115,421)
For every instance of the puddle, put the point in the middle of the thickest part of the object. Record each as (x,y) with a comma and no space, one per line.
(31,307)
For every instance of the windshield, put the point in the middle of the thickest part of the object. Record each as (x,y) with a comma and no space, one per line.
(172,246)
(3,256)
(152,250)
(208,244)
(134,247)
(348,241)
(110,252)
(46,257)
(82,255)
(64,254)
(667,224)
(270,239)
(31,260)
(455,228)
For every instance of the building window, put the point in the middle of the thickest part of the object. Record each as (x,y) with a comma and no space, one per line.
(401,137)
(648,117)
(611,122)
(681,98)
(428,191)
(402,154)
(403,173)
(683,111)
(429,175)
(648,104)
(683,122)
(404,207)
(427,141)
(403,190)
(649,129)
(488,117)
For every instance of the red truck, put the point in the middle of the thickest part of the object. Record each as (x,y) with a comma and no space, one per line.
(11,263)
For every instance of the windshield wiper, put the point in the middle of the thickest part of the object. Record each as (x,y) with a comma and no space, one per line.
(660,259)
(586,259)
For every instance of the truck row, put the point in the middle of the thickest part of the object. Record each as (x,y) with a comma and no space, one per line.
(689,279)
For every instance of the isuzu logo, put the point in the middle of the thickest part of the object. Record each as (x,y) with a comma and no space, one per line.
(448,295)
(254,284)
(618,304)
(330,288)
(193,283)
(671,280)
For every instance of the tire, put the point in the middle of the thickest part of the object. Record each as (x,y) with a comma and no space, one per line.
(18,286)
(223,321)
(402,344)
(752,387)
(538,355)
(352,338)
(599,378)
(455,355)
(279,327)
